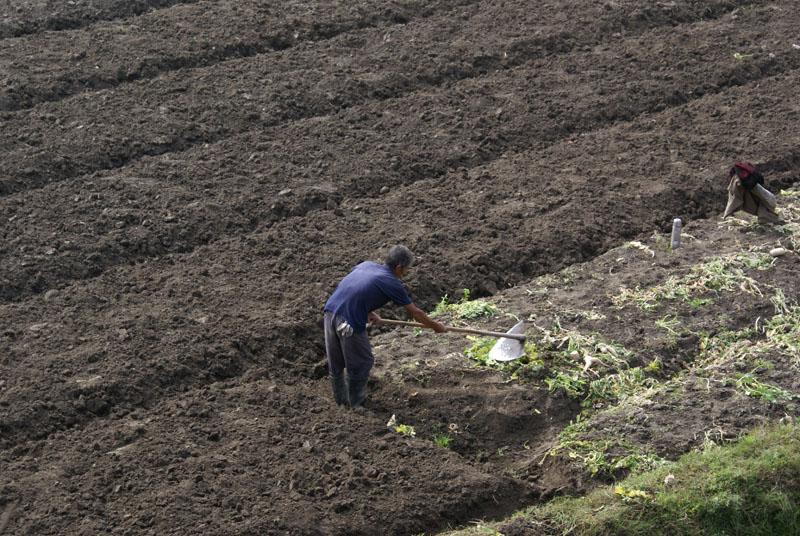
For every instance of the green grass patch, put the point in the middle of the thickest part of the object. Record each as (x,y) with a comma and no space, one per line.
(751,487)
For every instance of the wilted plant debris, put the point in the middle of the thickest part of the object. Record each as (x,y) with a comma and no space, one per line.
(720,274)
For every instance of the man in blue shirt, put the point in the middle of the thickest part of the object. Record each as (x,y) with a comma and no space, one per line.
(368,287)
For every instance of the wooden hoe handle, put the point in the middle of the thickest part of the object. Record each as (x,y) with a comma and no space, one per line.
(517,336)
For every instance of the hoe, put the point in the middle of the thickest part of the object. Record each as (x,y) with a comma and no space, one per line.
(508,348)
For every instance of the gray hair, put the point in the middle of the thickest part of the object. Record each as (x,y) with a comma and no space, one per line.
(399,256)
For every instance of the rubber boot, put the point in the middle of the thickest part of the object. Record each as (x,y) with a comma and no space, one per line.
(357,391)
(339,390)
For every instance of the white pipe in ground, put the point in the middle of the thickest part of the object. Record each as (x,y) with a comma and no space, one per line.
(675,242)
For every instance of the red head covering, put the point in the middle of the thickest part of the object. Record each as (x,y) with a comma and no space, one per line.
(742,169)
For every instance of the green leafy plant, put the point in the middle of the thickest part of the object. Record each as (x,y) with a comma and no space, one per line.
(442,441)
(781,335)
(653,366)
(465,309)
(790,214)
(725,344)
(754,261)
(575,356)
(783,332)
(572,384)
(669,323)
(781,304)
(442,307)
(590,315)
(752,386)
(527,367)
(699,303)
(479,350)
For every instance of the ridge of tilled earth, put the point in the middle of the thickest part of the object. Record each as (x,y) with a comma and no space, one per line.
(127,230)
(216,296)
(262,457)
(183,38)
(61,64)
(32,16)
(94,132)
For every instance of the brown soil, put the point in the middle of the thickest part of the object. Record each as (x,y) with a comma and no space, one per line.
(184,182)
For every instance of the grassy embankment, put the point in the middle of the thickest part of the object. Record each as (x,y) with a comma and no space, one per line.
(750,487)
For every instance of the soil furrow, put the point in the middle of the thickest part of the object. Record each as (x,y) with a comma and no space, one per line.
(503,234)
(40,16)
(181,222)
(181,115)
(58,66)
(203,436)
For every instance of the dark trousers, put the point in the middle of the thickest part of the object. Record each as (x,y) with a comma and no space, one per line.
(353,353)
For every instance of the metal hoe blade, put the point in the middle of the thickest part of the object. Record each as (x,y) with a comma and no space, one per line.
(508,349)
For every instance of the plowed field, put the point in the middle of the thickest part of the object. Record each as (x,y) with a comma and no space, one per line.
(182,183)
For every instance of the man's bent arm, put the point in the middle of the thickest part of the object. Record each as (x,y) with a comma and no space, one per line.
(420,316)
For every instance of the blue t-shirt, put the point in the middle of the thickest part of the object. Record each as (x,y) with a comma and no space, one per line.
(368,287)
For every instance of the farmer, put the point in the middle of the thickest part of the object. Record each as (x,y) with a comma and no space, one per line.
(369,286)
(746,192)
